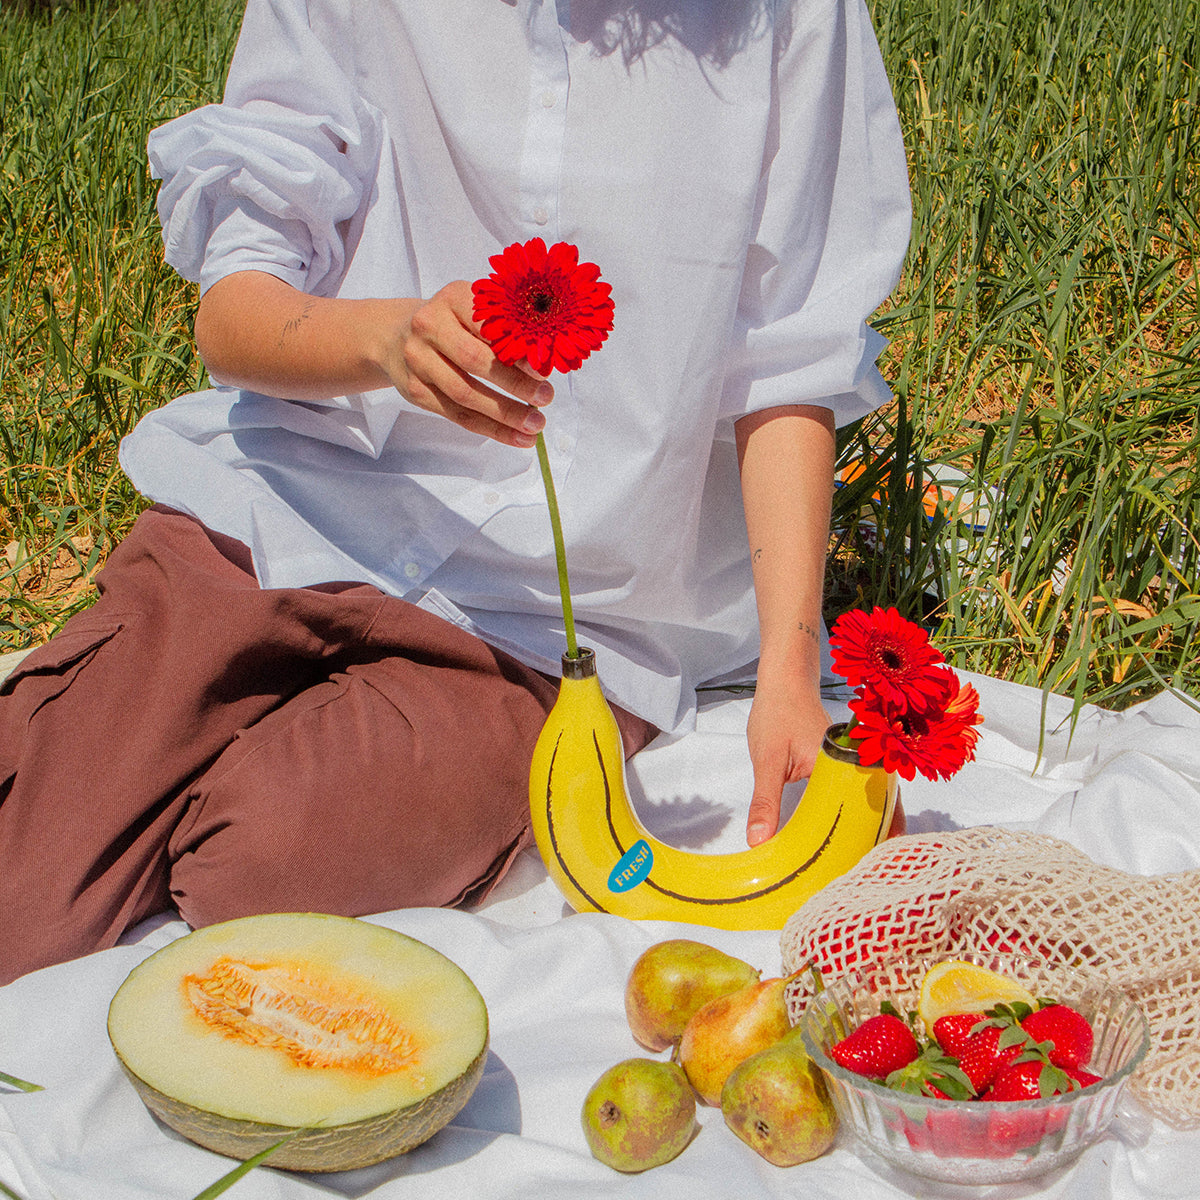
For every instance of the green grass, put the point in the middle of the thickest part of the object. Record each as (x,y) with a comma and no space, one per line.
(97,328)
(1045,334)
(1046,342)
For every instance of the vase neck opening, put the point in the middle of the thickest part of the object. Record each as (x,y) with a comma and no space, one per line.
(581,666)
(834,749)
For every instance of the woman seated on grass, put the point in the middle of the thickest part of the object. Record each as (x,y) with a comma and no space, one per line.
(318,665)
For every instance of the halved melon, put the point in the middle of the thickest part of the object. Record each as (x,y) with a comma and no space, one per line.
(244,1032)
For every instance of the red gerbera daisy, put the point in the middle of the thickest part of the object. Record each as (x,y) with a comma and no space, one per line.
(888,656)
(543,306)
(963,705)
(936,742)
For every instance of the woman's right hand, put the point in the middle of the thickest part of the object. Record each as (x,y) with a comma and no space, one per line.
(438,361)
(255,331)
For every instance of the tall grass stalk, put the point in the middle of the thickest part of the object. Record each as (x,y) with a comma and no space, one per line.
(1045,334)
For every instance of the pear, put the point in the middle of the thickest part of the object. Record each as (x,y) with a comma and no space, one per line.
(776,1102)
(671,980)
(729,1029)
(639,1114)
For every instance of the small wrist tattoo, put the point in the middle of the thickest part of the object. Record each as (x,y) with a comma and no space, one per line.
(813,633)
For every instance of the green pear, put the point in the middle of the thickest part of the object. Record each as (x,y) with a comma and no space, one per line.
(671,980)
(729,1029)
(639,1114)
(776,1102)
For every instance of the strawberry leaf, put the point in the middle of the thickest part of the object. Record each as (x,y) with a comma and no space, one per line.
(1053,1081)
(933,1072)
(1013,1035)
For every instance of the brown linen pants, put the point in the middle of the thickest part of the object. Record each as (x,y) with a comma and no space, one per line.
(196,741)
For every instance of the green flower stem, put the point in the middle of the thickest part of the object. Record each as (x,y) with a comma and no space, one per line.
(843,738)
(560,554)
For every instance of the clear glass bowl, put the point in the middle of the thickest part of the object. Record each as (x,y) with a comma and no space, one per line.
(963,1141)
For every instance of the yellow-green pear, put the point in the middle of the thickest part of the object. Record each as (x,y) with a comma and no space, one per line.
(671,980)
(639,1114)
(729,1029)
(776,1102)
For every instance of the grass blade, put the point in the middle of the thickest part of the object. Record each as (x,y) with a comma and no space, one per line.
(22,1084)
(227,1181)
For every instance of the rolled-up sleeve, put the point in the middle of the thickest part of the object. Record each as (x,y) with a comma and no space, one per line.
(268,179)
(833,224)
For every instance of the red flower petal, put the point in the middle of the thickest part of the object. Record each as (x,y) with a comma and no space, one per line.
(885,654)
(936,743)
(543,306)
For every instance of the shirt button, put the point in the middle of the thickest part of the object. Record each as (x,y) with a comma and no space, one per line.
(491,497)
(549,99)
(411,570)
(540,216)
(563,443)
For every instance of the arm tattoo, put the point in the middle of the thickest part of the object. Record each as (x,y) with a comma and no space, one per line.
(812,632)
(292,324)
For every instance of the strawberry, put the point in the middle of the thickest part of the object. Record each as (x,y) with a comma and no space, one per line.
(952,1032)
(1068,1032)
(1081,1077)
(957,1135)
(1030,1079)
(879,1046)
(992,1047)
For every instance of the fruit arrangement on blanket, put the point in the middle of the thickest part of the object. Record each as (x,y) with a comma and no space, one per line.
(976,1036)
(991,889)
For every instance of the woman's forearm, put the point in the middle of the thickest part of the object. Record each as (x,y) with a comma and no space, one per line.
(258,332)
(787,459)
(255,331)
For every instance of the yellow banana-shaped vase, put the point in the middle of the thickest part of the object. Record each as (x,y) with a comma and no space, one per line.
(604,860)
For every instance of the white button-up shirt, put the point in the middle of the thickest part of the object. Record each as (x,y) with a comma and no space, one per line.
(739,178)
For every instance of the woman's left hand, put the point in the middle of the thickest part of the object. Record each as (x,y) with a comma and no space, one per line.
(786,726)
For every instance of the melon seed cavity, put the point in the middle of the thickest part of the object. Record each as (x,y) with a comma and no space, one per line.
(314,1023)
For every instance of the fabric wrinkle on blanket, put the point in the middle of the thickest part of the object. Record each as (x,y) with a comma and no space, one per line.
(1120,787)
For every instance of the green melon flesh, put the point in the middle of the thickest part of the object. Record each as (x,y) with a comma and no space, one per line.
(241,1033)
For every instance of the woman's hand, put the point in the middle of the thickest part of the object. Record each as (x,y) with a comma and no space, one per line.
(437,360)
(255,331)
(787,724)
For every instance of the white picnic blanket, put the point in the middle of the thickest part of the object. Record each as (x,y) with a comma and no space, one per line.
(1125,788)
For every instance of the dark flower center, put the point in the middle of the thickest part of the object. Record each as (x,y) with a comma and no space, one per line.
(889,659)
(542,302)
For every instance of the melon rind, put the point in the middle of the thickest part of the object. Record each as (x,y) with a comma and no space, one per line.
(379,1121)
(338,1148)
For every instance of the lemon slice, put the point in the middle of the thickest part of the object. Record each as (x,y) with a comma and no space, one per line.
(958,987)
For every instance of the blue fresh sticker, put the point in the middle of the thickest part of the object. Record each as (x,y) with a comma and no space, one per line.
(633,867)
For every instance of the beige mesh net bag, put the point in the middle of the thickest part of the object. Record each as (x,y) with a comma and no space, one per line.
(994,889)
